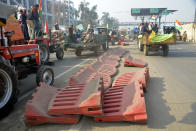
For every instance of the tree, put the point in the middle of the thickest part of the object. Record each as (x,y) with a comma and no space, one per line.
(86,14)
(111,22)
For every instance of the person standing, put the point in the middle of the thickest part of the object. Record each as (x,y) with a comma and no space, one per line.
(24,24)
(184,36)
(30,24)
(70,33)
(35,16)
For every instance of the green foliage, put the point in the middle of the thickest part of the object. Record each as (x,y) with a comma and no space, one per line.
(111,22)
(86,14)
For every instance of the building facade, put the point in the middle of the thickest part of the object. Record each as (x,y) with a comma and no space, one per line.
(54,11)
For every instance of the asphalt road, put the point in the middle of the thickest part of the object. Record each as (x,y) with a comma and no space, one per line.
(170,99)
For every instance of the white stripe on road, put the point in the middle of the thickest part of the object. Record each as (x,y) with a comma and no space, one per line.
(58,76)
(25,95)
(70,69)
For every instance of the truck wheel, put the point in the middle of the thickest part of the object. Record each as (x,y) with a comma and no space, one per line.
(44,52)
(78,52)
(95,51)
(107,45)
(113,41)
(165,49)
(45,74)
(140,46)
(104,46)
(8,89)
(146,50)
(59,53)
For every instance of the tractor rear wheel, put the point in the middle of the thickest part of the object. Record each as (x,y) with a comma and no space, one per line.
(59,53)
(45,74)
(146,50)
(165,49)
(140,45)
(8,89)
(78,52)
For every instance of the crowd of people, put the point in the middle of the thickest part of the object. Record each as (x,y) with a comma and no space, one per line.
(29,22)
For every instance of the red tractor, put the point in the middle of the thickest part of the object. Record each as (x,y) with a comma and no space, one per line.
(49,45)
(17,62)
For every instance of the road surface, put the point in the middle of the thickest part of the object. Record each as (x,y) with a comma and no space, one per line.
(170,99)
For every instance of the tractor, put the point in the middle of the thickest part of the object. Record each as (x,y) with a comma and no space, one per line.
(16,63)
(48,45)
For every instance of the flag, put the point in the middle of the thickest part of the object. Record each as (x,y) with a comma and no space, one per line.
(178,25)
(40,8)
(46,28)
(153,17)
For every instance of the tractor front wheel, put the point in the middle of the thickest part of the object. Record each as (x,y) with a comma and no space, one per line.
(45,74)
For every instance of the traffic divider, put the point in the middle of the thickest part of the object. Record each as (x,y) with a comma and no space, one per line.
(36,110)
(118,51)
(124,103)
(142,76)
(79,99)
(130,61)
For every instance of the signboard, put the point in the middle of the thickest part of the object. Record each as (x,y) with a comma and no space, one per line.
(166,12)
(135,11)
(146,11)
(154,10)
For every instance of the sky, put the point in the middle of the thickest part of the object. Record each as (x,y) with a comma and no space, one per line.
(121,9)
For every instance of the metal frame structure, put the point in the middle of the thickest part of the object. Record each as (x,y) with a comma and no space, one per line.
(48,10)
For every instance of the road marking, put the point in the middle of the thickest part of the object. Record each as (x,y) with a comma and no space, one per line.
(63,73)
(58,76)
(25,95)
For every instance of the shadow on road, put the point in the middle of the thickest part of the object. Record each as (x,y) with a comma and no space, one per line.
(157,110)
(176,53)
(190,118)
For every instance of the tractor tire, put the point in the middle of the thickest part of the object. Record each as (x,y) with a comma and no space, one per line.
(165,49)
(45,74)
(8,89)
(146,50)
(140,46)
(95,51)
(78,52)
(44,53)
(104,46)
(59,53)
(107,45)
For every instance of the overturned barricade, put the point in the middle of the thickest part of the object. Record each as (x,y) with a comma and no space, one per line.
(89,94)
(124,103)
(36,110)
(142,76)
(130,61)
(83,99)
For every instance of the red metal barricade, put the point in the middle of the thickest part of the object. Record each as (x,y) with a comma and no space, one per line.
(130,61)
(142,76)
(37,108)
(124,103)
(103,68)
(79,99)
